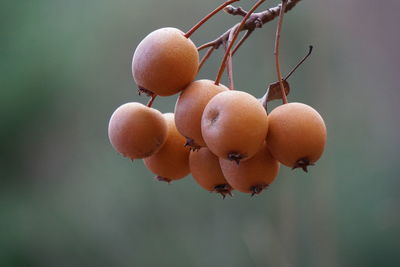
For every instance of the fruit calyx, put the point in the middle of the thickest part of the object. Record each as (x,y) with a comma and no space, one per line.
(257,189)
(303,163)
(163,179)
(235,156)
(193,146)
(223,189)
(141,90)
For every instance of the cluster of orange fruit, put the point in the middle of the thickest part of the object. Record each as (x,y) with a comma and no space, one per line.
(224,138)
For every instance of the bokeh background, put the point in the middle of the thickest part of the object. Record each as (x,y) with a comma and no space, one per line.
(68,199)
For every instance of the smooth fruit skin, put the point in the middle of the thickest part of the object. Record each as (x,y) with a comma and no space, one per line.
(234,123)
(296,132)
(190,106)
(164,62)
(171,162)
(252,175)
(137,131)
(207,172)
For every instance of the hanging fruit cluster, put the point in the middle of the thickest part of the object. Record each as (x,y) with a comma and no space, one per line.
(224,137)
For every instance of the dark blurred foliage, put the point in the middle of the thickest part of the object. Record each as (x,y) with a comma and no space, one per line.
(67,199)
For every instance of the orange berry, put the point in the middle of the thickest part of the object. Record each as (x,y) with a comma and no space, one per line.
(171,162)
(189,109)
(234,125)
(165,62)
(207,172)
(137,131)
(253,175)
(297,135)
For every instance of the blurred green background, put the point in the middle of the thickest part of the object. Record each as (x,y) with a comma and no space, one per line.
(68,199)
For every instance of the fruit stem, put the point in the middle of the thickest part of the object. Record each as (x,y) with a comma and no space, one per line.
(205,57)
(236,29)
(276,51)
(150,103)
(230,67)
(241,41)
(230,73)
(301,62)
(201,22)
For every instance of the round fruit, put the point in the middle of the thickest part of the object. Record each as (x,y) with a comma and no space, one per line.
(137,131)
(253,175)
(297,135)
(189,109)
(171,162)
(234,125)
(207,172)
(165,62)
